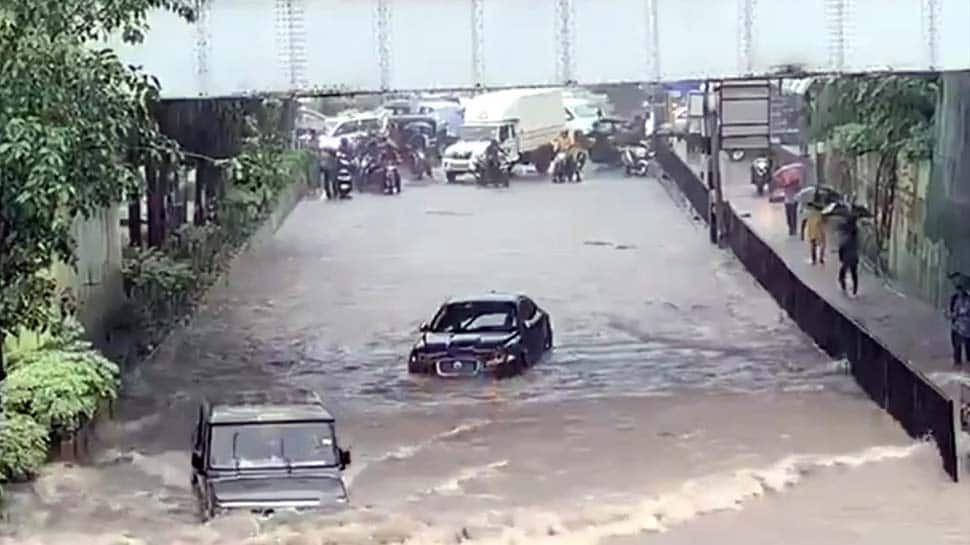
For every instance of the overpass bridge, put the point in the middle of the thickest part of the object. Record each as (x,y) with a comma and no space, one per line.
(305,47)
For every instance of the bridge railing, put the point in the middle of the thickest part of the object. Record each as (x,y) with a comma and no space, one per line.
(900,389)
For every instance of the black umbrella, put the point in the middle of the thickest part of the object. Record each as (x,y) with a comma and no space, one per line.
(960,280)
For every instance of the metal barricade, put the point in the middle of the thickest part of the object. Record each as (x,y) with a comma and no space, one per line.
(918,404)
(690,185)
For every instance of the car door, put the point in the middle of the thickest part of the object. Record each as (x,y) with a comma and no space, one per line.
(532,328)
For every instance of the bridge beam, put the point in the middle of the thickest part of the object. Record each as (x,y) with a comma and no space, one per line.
(364,46)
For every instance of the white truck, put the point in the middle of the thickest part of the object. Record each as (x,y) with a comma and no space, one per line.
(523,121)
(581,115)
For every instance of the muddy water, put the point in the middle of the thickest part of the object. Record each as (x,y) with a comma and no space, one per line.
(679,405)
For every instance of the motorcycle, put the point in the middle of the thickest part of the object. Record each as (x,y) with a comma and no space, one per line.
(636,159)
(491,171)
(344,179)
(382,174)
(564,168)
(761,174)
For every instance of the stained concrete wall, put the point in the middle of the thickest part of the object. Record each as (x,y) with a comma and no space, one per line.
(96,280)
(948,197)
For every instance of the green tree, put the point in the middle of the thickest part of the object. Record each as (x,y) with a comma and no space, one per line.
(889,115)
(75,128)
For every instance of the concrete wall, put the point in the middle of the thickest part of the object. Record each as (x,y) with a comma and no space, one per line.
(96,281)
(930,235)
(948,198)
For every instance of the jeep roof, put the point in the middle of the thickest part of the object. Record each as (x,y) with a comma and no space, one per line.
(491,297)
(247,407)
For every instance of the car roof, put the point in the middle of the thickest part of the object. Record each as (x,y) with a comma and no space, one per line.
(266,406)
(491,297)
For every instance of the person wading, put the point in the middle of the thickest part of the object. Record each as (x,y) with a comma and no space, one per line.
(959,314)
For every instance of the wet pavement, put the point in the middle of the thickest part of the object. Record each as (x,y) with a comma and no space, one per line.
(679,402)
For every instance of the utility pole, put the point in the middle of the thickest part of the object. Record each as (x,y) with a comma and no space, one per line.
(713,174)
(719,207)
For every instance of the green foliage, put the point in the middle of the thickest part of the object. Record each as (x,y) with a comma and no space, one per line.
(887,114)
(75,125)
(60,383)
(23,446)
(157,283)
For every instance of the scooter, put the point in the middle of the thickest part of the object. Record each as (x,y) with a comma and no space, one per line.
(636,159)
(491,171)
(563,168)
(392,180)
(761,174)
(344,178)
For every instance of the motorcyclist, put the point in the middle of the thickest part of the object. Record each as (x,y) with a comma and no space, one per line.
(345,150)
(565,142)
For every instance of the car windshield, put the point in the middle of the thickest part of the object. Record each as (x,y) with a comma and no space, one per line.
(329,127)
(477,133)
(272,445)
(475,318)
(584,110)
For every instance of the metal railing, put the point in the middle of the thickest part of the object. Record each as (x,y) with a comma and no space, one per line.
(694,188)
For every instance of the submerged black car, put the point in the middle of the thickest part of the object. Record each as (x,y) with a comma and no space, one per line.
(497,334)
(262,452)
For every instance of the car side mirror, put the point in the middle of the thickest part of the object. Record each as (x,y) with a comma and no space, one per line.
(344,458)
(424,327)
(197,461)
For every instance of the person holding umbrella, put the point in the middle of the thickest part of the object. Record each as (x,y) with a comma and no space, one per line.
(789,179)
(849,253)
(815,229)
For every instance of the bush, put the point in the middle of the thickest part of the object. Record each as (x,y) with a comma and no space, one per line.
(23,447)
(157,283)
(60,388)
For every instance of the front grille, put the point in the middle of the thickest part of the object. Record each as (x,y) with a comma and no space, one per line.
(458,368)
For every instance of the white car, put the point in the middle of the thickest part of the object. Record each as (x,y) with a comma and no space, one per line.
(351,127)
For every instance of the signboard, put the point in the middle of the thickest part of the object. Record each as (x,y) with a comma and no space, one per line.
(744,108)
(695,104)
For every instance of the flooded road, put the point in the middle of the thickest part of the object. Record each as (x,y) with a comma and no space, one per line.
(679,405)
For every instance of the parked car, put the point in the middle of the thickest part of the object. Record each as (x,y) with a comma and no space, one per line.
(261,452)
(496,334)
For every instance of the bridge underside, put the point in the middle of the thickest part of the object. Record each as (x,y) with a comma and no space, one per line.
(241,47)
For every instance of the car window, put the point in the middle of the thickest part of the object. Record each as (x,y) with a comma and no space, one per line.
(475,317)
(346,128)
(368,125)
(503,133)
(252,446)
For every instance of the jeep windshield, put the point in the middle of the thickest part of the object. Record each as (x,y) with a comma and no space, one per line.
(475,318)
(273,446)
(476,133)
